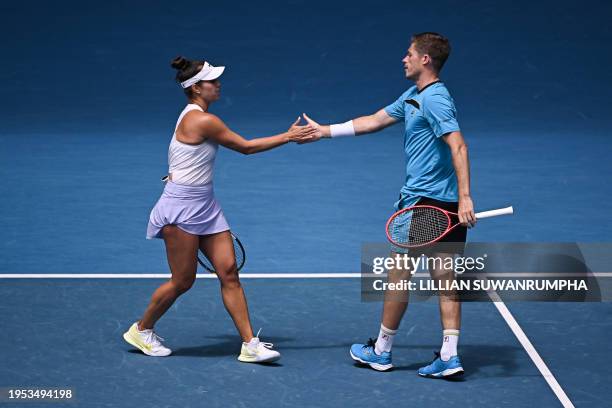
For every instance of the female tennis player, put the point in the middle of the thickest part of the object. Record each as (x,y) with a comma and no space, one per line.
(187,216)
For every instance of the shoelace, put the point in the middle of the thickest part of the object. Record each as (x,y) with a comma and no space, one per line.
(371,343)
(154,339)
(266,345)
(437,354)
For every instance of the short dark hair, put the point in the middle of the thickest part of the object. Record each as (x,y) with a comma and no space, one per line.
(435,45)
(186,69)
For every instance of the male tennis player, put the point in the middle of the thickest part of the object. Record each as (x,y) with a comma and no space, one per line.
(437,174)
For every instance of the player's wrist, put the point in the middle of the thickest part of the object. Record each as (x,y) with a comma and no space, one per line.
(326,131)
(342,129)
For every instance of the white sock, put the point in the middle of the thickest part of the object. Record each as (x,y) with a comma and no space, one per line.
(450,338)
(143,330)
(385,340)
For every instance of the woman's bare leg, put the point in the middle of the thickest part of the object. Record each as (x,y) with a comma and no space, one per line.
(181,249)
(220,250)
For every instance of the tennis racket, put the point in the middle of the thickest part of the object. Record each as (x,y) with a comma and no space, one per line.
(238,251)
(422,225)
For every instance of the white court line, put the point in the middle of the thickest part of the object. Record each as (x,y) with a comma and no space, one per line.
(273,275)
(167,275)
(530,349)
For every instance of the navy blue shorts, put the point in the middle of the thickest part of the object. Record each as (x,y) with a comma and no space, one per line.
(453,242)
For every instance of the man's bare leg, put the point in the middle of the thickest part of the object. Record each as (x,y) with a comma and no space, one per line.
(450,316)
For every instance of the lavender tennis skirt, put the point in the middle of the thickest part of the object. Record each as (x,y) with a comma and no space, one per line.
(192,208)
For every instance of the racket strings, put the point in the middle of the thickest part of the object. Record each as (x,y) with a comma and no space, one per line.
(418,226)
(238,253)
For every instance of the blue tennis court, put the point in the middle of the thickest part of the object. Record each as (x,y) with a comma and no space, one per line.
(88,107)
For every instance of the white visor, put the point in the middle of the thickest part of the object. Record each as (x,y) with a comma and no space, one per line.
(207,73)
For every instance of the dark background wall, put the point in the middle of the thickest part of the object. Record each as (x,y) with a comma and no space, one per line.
(77,66)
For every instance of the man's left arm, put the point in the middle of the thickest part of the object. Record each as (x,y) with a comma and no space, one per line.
(461,162)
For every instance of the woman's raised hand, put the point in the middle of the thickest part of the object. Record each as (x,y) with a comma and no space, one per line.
(301,134)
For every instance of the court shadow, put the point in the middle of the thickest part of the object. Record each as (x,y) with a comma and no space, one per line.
(475,357)
(318,346)
(209,350)
(414,368)
(228,346)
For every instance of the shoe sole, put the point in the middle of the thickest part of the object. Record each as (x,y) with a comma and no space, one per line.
(128,338)
(270,360)
(449,373)
(375,366)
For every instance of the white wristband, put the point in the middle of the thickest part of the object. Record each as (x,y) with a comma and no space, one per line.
(342,129)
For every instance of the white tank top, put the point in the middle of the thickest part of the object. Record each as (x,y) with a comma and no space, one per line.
(191,164)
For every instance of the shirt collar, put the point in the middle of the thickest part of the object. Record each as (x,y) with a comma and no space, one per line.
(428,85)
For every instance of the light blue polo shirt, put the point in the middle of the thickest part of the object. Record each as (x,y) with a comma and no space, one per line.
(427,115)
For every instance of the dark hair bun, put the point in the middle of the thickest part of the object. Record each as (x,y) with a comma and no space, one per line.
(179,63)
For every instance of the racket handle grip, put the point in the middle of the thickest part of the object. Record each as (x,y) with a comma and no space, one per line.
(495,213)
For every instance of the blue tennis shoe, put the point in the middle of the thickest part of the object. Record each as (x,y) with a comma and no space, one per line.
(442,369)
(364,354)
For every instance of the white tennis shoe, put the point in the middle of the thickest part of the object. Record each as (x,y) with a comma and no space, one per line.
(256,351)
(146,341)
